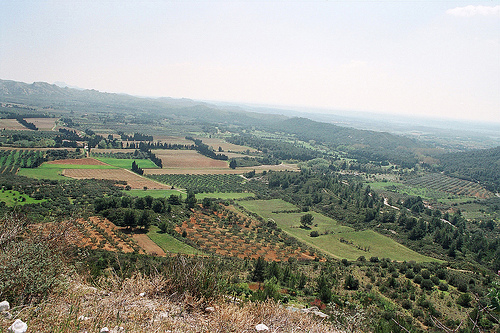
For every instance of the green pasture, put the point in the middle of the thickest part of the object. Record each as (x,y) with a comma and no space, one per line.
(169,243)
(127,163)
(365,243)
(54,171)
(42,173)
(14,198)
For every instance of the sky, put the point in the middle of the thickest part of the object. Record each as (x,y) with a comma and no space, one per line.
(412,58)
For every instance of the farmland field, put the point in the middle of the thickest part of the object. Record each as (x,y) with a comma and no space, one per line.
(450,185)
(213,171)
(187,159)
(43,124)
(133,180)
(99,233)
(80,163)
(127,163)
(12,124)
(229,233)
(203,183)
(340,242)
(169,243)
(43,172)
(55,169)
(20,158)
(226,146)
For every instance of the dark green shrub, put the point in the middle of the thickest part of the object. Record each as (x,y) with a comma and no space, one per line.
(443,286)
(407,304)
(435,280)
(351,283)
(425,274)
(464,300)
(427,284)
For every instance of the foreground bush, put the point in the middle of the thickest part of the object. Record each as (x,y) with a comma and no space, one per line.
(31,259)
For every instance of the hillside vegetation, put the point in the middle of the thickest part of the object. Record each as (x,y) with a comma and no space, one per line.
(164,214)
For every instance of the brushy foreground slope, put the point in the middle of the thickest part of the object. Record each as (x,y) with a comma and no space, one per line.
(42,277)
(116,303)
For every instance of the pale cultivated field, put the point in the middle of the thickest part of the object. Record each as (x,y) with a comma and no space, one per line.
(172,139)
(226,146)
(187,159)
(12,124)
(43,124)
(213,171)
(135,181)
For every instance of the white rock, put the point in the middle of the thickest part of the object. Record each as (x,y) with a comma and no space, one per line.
(142,294)
(104,329)
(261,327)
(210,309)
(18,327)
(320,314)
(4,306)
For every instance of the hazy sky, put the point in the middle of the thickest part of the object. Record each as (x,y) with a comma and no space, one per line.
(438,58)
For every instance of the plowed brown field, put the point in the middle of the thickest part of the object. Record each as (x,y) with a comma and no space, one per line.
(133,180)
(187,159)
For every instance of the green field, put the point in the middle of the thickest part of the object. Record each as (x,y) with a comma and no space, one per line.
(169,243)
(13,198)
(54,171)
(366,243)
(127,163)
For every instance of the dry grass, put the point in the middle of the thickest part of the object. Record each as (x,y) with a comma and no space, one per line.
(115,303)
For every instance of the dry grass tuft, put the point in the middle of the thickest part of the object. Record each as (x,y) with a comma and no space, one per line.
(78,307)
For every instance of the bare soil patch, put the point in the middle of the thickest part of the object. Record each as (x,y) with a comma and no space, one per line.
(99,233)
(43,124)
(187,159)
(133,180)
(226,146)
(148,245)
(12,124)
